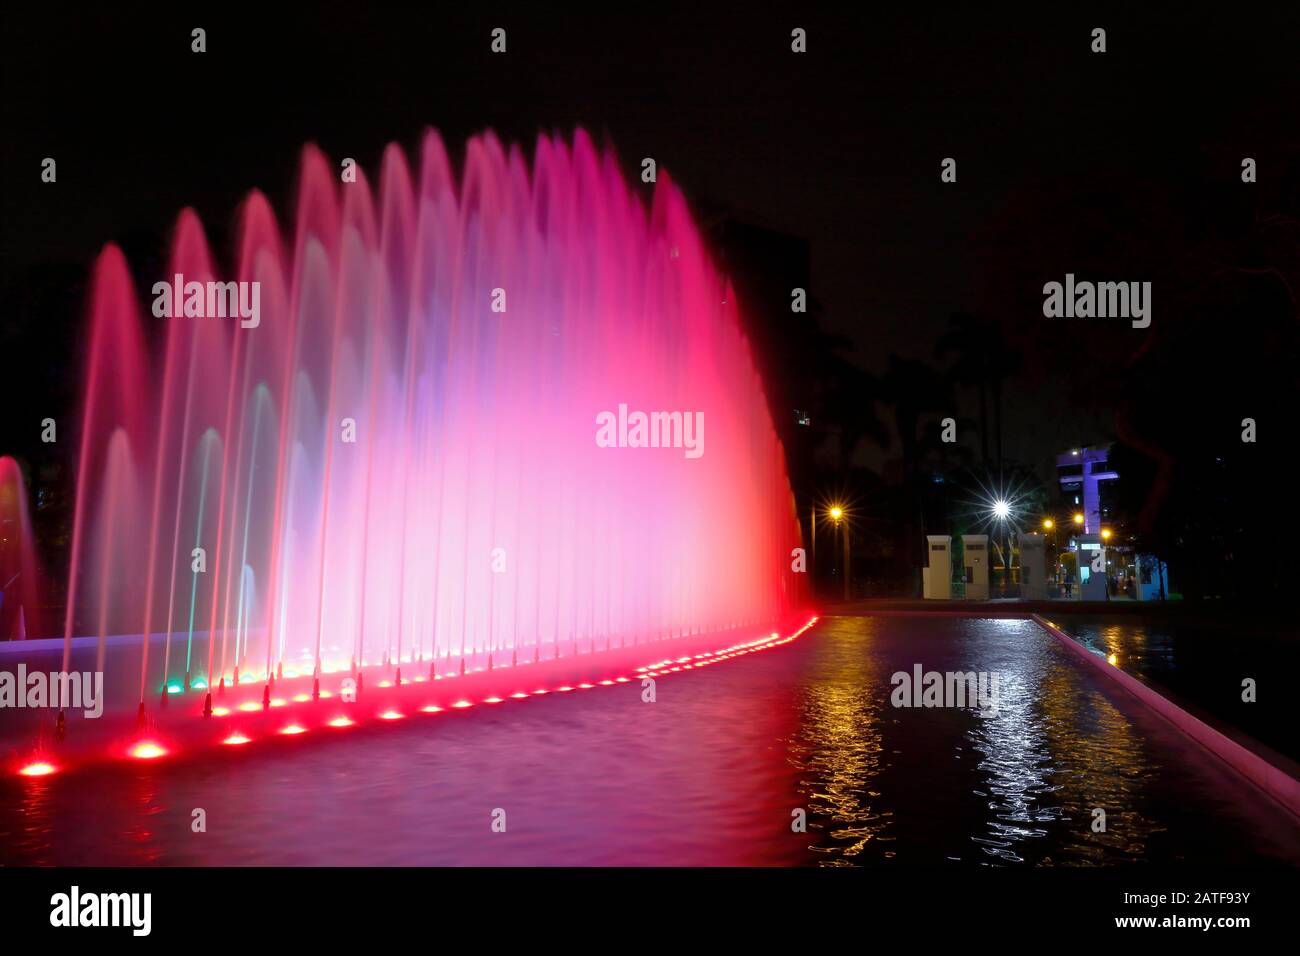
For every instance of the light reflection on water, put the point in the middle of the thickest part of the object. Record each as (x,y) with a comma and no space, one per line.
(1013,742)
(710,774)
(1017,786)
(839,750)
(1055,752)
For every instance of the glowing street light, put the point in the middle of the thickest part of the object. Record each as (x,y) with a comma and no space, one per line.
(836,512)
(1048,524)
(1078,519)
(1105,534)
(1002,511)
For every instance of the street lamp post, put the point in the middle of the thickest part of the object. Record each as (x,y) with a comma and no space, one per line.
(1001,511)
(1050,525)
(844,529)
(1105,568)
(837,515)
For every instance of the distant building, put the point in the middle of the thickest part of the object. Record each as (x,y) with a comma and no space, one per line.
(1081,472)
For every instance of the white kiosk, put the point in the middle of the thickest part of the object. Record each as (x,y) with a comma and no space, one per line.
(1152,578)
(936,577)
(1033,567)
(975,556)
(1092,568)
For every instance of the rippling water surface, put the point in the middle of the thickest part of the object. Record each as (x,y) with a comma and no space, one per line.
(715,771)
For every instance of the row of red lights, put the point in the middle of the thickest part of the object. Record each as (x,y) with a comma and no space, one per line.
(153,750)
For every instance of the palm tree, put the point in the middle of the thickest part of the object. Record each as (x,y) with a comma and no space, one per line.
(915,390)
(984,360)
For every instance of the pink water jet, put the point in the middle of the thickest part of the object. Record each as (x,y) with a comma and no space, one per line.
(398,463)
(20,575)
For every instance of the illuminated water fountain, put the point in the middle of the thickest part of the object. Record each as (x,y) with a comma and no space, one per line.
(19,570)
(412,443)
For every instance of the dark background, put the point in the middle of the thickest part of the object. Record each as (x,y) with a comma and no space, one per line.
(818,170)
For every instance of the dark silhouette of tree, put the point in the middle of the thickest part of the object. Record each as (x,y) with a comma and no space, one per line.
(914,390)
(983,360)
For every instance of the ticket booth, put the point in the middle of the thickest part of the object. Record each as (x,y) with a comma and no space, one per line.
(975,556)
(1033,567)
(936,577)
(1092,568)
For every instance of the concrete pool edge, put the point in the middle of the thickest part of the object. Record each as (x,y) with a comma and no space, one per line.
(1273,781)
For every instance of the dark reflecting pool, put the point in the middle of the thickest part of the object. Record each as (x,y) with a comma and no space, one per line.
(1200,660)
(712,772)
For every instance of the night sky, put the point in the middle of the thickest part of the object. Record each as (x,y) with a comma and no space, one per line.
(840,146)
